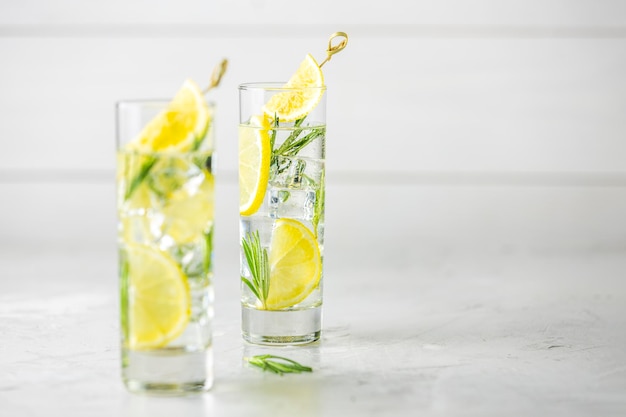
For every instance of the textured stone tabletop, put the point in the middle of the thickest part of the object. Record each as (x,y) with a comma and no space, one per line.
(515,335)
(477,317)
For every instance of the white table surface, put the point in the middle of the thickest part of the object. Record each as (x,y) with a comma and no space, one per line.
(515,328)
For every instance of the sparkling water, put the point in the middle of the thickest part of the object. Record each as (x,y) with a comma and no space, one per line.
(165,203)
(295,190)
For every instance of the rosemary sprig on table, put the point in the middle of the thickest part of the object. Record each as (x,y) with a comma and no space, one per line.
(278,364)
(259,266)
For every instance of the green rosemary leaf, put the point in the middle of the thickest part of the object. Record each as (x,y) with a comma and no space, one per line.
(278,364)
(143,173)
(298,122)
(265,282)
(287,144)
(294,134)
(295,146)
(208,252)
(318,211)
(123,273)
(251,286)
(256,361)
(259,266)
(278,368)
(274,132)
(249,254)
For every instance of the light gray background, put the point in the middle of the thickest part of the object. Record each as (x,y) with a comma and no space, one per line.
(441,93)
(475,172)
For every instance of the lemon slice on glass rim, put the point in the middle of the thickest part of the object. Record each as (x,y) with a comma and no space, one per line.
(307,85)
(308,88)
(180,127)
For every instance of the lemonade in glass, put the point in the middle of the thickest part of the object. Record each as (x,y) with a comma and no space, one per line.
(282,150)
(165,189)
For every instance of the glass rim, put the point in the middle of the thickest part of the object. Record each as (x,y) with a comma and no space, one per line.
(274,86)
(150,101)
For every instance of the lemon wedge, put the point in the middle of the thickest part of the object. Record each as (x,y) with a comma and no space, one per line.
(295,264)
(188,212)
(180,127)
(157,298)
(254,164)
(308,81)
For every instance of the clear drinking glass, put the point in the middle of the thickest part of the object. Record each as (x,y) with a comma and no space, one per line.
(165,213)
(282,228)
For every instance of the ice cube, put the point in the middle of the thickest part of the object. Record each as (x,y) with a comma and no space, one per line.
(293,204)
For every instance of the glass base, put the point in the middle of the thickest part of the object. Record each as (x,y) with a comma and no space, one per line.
(283,327)
(167,371)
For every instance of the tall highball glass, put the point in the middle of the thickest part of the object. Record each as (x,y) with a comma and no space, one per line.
(165,191)
(281,183)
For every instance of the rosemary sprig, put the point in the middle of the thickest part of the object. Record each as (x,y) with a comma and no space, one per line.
(149,164)
(207,262)
(143,173)
(293,144)
(259,266)
(123,273)
(320,196)
(294,134)
(273,134)
(278,364)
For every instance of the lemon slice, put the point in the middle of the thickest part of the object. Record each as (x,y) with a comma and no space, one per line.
(180,127)
(295,264)
(158,298)
(254,164)
(188,212)
(293,105)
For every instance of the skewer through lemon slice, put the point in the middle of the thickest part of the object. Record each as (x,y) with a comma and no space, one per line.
(308,82)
